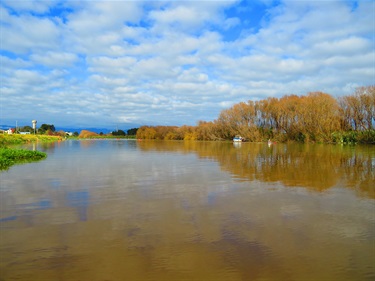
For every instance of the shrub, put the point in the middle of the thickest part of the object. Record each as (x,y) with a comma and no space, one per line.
(87,134)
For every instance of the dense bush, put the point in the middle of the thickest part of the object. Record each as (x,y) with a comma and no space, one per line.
(87,134)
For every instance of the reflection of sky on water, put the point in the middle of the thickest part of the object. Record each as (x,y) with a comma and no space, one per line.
(55,183)
(211,197)
(41,204)
(10,218)
(79,200)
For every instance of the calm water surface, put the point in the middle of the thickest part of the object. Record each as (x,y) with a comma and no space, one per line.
(128,210)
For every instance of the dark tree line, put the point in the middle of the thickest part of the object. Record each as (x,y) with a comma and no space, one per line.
(130,132)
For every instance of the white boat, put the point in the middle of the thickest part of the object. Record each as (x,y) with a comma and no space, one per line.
(269,143)
(237,139)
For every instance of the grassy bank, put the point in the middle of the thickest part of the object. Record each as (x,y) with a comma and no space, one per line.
(9,157)
(14,139)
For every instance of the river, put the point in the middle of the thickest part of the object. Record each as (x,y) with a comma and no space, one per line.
(170,210)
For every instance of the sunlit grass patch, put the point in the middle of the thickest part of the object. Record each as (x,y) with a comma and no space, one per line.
(15,139)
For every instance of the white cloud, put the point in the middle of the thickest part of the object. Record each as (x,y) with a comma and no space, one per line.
(22,79)
(181,14)
(96,27)
(28,6)
(111,66)
(103,16)
(231,22)
(345,46)
(188,16)
(54,59)
(168,63)
(9,65)
(21,34)
(193,75)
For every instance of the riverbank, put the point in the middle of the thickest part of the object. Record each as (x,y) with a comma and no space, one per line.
(15,139)
(10,156)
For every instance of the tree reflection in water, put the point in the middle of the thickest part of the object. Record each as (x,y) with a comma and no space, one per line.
(314,166)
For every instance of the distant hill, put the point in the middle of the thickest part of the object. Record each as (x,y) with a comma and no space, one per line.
(6,127)
(78,130)
(97,130)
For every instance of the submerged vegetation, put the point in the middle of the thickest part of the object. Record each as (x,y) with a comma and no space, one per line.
(315,117)
(9,157)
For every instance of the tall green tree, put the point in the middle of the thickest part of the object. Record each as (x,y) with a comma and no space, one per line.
(132,132)
(118,133)
(46,128)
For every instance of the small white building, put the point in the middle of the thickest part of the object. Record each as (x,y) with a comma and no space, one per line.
(10,131)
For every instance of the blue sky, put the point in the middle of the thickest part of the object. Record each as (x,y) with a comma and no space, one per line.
(122,63)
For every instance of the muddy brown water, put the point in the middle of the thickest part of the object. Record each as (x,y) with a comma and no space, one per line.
(153,210)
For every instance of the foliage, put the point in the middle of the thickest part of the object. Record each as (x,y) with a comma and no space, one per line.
(146,132)
(315,117)
(48,129)
(132,132)
(358,110)
(87,134)
(118,133)
(9,157)
(367,136)
(26,129)
(353,137)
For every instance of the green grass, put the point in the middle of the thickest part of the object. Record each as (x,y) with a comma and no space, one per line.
(9,157)
(15,139)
